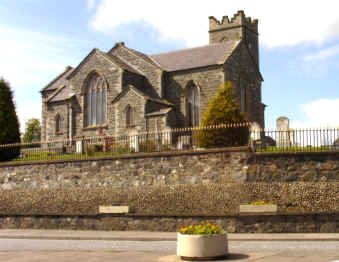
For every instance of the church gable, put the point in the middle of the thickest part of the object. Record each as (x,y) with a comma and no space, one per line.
(143,63)
(97,62)
(129,110)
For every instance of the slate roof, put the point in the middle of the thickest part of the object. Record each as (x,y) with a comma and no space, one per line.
(61,94)
(143,94)
(135,52)
(59,81)
(162,111)
(120,62)
(213,54)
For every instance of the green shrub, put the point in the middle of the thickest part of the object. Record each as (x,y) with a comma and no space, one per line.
(9,124)
(223,110)
(91,149)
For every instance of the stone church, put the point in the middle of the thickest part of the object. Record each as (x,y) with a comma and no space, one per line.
(124,91)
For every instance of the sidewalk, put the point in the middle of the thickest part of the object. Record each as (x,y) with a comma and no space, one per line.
(153,236)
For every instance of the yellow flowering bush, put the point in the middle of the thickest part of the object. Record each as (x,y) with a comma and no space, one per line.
(260,203)
(202,228)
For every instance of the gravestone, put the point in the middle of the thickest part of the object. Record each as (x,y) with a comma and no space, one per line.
(283,132)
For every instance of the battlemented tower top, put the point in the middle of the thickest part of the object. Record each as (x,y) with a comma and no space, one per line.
(238,20)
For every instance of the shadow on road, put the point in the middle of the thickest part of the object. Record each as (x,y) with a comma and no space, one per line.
(231,256)
(237,256)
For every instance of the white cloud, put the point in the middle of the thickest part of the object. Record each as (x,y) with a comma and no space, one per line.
(90,4)
(282,23)
(27,110)
(323,54)
(319,113)
(28,61)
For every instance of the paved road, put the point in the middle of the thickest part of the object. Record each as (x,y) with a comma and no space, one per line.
(32,250)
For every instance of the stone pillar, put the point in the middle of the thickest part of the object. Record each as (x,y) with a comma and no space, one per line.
(70,121)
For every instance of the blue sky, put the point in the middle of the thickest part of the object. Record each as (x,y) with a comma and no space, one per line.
(299,46)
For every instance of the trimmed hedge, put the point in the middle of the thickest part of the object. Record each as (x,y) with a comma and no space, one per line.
(182,200)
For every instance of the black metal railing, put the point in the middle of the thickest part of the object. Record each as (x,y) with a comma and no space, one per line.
(177,139)
(295,140)
(194,138)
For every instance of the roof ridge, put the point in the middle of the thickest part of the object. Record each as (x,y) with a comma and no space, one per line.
(143,55)
(55,93)
(193,48)
(139,54)
(125,62)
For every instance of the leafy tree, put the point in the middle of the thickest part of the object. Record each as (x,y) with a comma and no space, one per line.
(33,131)
(224,112)
(9,124)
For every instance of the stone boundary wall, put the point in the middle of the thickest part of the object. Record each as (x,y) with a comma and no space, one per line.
(289,167)
(182,200)
(172,168)
(306,223)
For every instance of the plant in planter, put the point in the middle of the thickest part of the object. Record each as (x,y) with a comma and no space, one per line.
(203,241)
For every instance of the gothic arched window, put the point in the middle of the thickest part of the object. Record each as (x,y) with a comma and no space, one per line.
(193,105)
(129,116)
(95,101)
(58,124)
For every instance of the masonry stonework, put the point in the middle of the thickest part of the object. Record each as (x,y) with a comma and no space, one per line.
(167,190)
(322,223)
(214,166)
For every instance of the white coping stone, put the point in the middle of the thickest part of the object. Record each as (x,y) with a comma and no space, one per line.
(113,209)
(270,208)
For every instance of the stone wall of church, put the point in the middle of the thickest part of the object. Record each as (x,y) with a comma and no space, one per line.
(48,116)
(52,110)
(157,123)
(207,79)
(137,102)
(241,65)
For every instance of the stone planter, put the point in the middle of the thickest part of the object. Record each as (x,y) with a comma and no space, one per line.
(202,247)
(258,209)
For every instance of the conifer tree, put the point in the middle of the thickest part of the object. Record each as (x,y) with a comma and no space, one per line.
(9,124)
(223,109)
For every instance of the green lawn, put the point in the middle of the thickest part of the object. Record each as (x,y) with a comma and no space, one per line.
(294,149)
